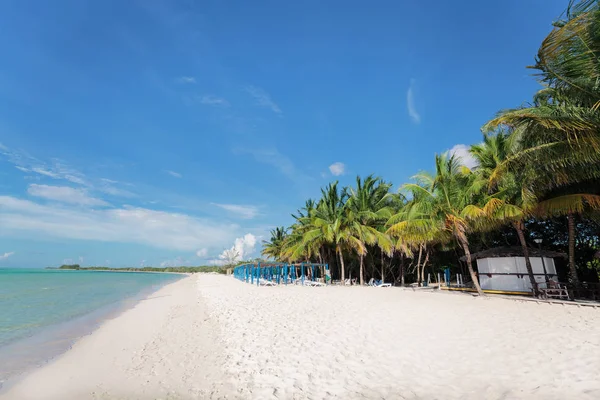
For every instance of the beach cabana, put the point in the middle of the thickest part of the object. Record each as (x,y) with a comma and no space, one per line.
(503,268)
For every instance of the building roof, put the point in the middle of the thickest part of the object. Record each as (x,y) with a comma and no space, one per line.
(513,251)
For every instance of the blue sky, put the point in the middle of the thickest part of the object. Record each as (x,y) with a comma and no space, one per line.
(163,132)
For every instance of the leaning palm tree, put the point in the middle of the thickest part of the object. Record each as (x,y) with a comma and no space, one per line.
(442,208)
(559,133)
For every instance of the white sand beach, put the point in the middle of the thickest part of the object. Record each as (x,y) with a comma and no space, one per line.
(212,337)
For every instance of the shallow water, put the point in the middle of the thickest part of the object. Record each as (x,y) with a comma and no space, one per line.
(43,311)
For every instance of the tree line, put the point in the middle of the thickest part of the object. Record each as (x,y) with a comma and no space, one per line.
(537,171)
(189,270)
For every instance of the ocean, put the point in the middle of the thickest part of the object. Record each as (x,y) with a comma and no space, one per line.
(43,311)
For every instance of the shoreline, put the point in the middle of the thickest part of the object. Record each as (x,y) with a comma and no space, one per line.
(124,324)
(55,340)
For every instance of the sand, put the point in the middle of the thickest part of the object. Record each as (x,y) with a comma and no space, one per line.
(210,336)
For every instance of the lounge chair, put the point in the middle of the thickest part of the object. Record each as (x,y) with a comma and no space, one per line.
(264,282)
(376,283)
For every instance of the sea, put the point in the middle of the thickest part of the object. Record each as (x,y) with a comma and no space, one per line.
(43,311)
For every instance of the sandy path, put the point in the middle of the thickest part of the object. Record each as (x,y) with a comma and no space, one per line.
(164,347)
(380,343)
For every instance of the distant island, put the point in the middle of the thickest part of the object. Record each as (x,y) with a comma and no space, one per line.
(188,270)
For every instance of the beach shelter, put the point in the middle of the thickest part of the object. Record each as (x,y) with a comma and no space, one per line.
(503,268)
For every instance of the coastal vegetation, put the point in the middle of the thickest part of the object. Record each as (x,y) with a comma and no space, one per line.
(537,176)
(189,270)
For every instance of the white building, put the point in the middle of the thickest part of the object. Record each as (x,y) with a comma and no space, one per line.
(504,269)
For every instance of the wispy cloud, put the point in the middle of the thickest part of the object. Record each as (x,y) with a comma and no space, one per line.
(462,152)
(186,79)
(263,98)
(281,162)
(65,194)
(174,174)
(244,211)
(210,100)
(410,103)
(57,169)
(126,224)
(6,255)
(337,169)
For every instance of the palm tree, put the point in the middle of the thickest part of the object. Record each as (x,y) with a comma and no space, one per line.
(516,199)
(367,209)
(273,247)
(562,202)
(326,226)
(559,132)
(294,246)
(441,209)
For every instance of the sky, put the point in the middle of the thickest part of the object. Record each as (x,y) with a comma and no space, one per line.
(165,132)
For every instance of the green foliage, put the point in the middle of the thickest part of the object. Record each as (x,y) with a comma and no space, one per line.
(536,165)
(72,266)
(187,270)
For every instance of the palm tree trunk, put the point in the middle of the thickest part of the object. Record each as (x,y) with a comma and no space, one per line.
(382,277)
(419,265)
(572,266)
(362,270)
(519,227)
(424,264)
(465,247)
(342,269)
(402,269)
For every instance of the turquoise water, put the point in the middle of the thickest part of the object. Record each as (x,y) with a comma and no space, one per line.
(33,303)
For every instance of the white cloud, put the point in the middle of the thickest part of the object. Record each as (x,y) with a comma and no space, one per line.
(337,169)
(6,255)
(410,103)
(202,252)
(462,152)
(45,172)
(263,99)
(244,211)
(65,194)
(125,225)
(214,101)
(22,169)
(186,79)
(173,173)
(106,180)
(242,248)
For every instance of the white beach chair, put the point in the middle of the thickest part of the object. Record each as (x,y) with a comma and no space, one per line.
(264,282)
